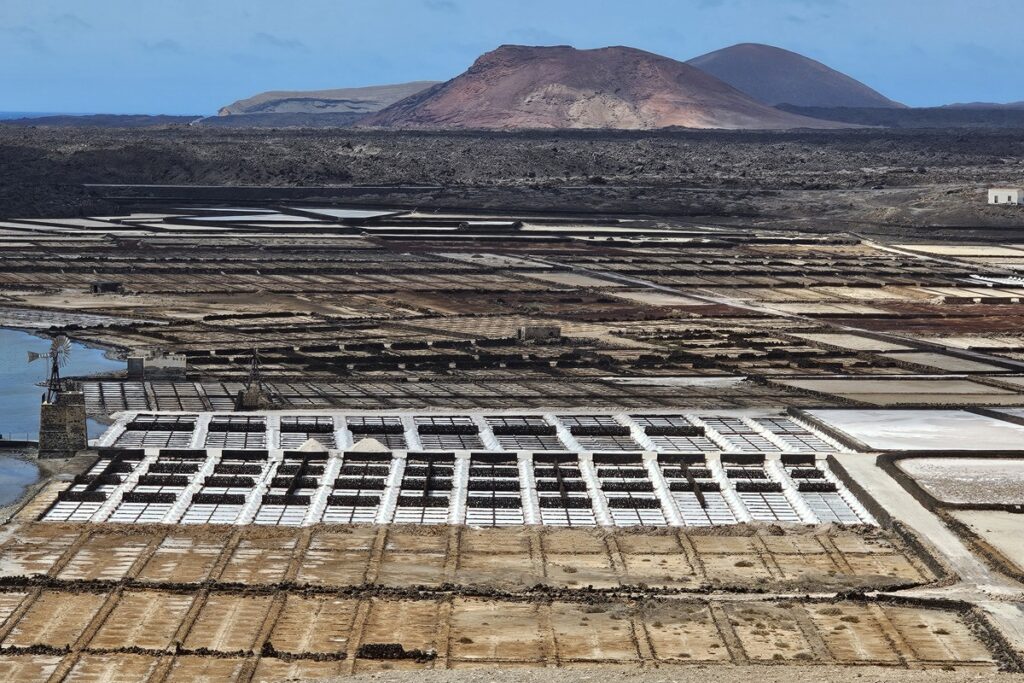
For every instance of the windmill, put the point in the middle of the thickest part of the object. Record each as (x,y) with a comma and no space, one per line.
(255,395)
(60,351)
(255,379)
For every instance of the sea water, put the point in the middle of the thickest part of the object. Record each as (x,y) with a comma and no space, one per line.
(20,394)
(15,475)
(20,397)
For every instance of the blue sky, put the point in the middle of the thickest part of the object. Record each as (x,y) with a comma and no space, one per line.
(192,56)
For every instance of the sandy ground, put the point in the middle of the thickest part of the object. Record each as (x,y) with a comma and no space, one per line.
(697,674)
(1002,530)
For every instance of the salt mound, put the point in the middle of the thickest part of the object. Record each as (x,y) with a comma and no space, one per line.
(369,445)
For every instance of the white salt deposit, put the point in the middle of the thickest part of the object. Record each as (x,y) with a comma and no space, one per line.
(925,430)
(969,480)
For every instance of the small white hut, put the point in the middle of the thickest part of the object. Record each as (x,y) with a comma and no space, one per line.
(1006,195)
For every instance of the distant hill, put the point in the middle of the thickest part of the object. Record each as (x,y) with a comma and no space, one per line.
(776,76)
(276,120)
(985,105)
(519,87)
(101,121)
(928,117)
(340,101)
(4,115)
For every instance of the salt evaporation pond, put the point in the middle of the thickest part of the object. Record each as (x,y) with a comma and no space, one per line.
(923,430)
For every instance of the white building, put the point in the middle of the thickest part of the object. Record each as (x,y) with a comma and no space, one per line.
(1006,195)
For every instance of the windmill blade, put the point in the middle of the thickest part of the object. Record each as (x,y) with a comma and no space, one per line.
(61,350)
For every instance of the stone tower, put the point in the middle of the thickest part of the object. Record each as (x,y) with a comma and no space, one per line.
(62,426)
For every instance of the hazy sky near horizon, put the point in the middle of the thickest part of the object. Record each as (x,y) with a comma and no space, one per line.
(192,56)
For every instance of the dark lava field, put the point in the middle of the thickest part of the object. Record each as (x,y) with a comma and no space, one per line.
(865,180)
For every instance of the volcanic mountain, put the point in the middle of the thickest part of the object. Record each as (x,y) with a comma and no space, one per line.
(518,87)
(776,76)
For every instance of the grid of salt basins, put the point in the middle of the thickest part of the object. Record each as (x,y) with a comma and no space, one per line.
(469,468)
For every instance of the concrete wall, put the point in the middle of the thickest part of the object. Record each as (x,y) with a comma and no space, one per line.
(534,332)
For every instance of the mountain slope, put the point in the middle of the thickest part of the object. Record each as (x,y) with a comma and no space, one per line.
(518,87)
(340,101)
(776,76)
